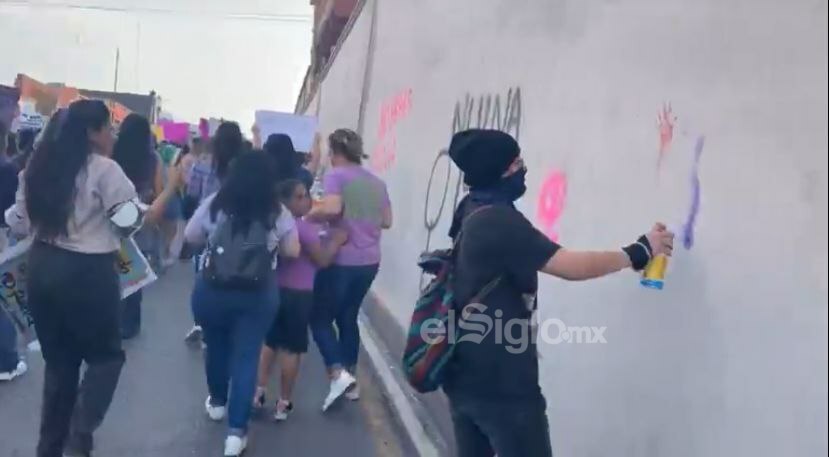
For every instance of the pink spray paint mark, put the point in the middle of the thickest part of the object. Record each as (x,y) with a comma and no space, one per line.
(551,202)
(665,121)
(392,111)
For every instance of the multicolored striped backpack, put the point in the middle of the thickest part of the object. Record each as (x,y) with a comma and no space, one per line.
(429,344)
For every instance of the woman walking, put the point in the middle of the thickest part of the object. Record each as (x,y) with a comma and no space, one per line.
(358,202)
(204,179)
(288,336)
(134,152)
(64,198)
(236,303)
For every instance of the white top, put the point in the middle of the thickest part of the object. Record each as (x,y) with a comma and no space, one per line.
(99,187)
(200,227)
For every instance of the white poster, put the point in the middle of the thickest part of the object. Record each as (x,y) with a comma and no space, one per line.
(300,128)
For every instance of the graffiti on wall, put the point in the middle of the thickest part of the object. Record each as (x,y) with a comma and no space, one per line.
(665,122)
(690,222)
(550,204)
(501,111)
(392,111)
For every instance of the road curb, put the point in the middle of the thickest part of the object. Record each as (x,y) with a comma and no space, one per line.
(401,402)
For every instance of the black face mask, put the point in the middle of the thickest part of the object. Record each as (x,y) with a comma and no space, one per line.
(514,185)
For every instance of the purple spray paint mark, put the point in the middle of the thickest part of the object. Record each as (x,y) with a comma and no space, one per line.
(688,228)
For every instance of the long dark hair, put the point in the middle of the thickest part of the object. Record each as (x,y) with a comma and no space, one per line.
(247,193)
(49,134)
(11,145)
(284,159)
(54,166)
(133,150)
(227,145)
(285,189)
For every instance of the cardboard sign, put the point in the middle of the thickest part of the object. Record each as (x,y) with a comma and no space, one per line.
(300,128)
(176,132)
(133,270)
(13,289)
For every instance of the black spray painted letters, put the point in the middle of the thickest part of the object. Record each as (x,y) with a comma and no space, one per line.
(488,111)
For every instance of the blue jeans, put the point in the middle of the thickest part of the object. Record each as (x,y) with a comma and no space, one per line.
(234,323)
(8,344)
(340,291)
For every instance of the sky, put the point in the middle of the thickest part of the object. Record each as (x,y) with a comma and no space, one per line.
(205,58)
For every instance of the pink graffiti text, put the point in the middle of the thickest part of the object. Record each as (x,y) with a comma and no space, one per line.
(392,111)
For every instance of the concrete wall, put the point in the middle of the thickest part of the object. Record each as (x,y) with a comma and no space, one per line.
(731,358)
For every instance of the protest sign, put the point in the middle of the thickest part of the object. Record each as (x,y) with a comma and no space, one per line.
(176,132)
(158,132)
(133,270)
(13,289)
(212,125)
(300,128)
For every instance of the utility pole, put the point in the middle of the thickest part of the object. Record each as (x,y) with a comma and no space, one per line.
(117,63)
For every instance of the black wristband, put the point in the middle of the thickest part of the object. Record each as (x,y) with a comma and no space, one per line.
(639,253)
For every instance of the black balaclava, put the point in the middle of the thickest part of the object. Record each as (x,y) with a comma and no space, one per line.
(484,156)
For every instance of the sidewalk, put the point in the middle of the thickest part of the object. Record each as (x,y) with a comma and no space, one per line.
(158,408)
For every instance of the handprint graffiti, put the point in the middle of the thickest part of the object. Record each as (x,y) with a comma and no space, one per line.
(665,121)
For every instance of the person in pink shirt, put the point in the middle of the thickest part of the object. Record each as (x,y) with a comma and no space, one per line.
(357,201)
(288,336)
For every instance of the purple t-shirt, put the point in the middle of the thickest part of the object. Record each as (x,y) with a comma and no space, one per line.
(364,198)
(298,274)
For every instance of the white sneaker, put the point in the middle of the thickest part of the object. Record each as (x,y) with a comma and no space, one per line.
(354,393)
(195,334)
(235,445)
(338,388)
(215,413)
(19,370)
(283,408)
(34,346)
(259,398)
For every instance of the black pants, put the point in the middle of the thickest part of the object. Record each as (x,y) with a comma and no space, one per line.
(74,300)
(131,315)
(484,428)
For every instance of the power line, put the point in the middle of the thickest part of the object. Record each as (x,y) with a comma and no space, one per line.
(148,10)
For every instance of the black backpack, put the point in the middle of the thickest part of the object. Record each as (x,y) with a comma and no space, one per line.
(239,259)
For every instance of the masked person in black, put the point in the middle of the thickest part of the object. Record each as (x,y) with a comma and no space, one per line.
(495,399)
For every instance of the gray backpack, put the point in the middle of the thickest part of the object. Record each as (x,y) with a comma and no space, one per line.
(238,259)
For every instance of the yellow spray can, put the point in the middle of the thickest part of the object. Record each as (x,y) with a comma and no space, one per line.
(654,275)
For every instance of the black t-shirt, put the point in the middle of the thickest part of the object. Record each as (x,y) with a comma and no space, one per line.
(498,242)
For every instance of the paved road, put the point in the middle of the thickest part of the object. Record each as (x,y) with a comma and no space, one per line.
(158,409)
